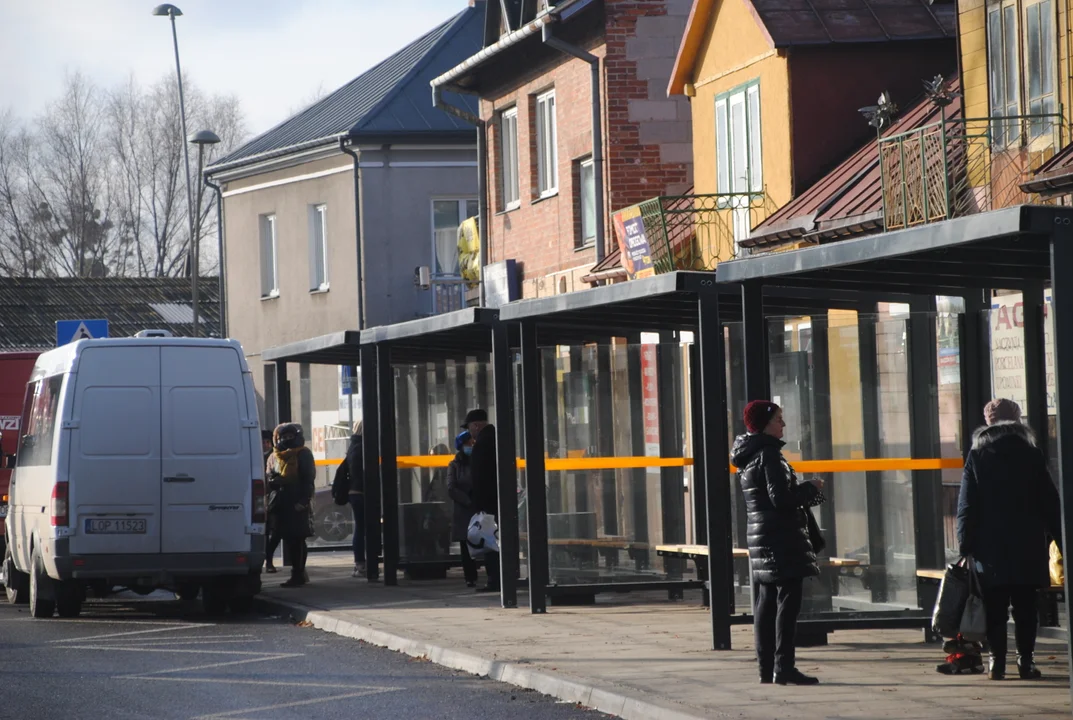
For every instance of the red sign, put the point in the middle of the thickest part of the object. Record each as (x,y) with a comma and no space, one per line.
(650,397)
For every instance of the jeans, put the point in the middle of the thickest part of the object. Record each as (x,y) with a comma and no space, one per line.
(775,624)
(997,601)
(357,504)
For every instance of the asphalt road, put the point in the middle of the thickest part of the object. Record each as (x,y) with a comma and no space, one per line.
(137,658)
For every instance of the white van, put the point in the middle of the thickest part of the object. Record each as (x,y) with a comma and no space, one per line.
(140,466)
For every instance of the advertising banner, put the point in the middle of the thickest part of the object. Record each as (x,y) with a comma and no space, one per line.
(633,243)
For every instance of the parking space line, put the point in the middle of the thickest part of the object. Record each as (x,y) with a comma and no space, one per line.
(170,628)
(266,658)
(236,714)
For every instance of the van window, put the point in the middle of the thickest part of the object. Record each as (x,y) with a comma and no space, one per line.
(39,420)
(117,421)
(205,421)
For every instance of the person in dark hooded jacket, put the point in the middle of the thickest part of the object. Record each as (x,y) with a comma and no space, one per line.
(1007,507)
(356,469)
(781,554)
(292,476)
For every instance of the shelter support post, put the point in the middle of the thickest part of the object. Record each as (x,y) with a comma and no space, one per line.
(697,488)
(715,446)
(973,353)
(821,443)
(672,495)
(1062,307)
(283,394)
(371,460)
(869,372)
(535,478)
(638,476)
(605,438)
(1035,364)
(389,472)
(736,399)
(506,465)
(923,377)
(757,364)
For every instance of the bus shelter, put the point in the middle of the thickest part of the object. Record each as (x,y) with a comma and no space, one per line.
(427,374)
(1027,249)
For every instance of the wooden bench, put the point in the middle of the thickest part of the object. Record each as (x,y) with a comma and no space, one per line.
(928,592)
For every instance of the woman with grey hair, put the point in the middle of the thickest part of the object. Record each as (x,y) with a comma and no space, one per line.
(1007,507)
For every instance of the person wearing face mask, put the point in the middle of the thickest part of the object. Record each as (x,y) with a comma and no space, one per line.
(292,475)
(460,490)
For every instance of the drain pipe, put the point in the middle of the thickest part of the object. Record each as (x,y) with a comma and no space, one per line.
(482,172)
(220,254)
(597,128)
(358,234)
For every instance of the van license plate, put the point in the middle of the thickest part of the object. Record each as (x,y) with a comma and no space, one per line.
(3,511)
(115,526)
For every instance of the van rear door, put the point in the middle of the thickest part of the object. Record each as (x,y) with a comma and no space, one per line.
(114,470)
(206,450)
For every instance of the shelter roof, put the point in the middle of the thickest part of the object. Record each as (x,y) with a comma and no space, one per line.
(1054,177)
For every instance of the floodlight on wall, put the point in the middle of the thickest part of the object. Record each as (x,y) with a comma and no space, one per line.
(423,277)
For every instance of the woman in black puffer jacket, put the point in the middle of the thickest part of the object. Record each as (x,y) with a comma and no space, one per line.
(781,553)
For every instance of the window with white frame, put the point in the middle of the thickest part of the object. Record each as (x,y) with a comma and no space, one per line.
(546,145)
(447,215)
(508,165)
(269,257)
(738,160)
(587,190)
(318,248)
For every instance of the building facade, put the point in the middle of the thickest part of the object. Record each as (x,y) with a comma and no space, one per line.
(330,216)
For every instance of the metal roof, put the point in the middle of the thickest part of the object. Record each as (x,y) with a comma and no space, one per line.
(1055,176)
(455,335)
(1001,249)
(390,99)
(822,22)
(849,199)
(339,348)
(30,307)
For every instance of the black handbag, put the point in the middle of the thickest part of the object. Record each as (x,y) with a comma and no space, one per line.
(815,537)
(950,604)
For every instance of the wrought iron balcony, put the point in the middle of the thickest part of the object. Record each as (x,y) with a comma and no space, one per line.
(696,232)
(960,167)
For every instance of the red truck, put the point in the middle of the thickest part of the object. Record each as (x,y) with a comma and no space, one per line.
(15,369)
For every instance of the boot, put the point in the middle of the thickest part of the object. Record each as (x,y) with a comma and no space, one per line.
(996,668)
(1027,669)
(767,676)
(298,579)
(795,677)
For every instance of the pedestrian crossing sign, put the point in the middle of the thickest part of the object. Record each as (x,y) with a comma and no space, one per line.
(69,331)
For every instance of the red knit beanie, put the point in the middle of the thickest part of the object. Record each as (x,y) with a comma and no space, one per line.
(758,414)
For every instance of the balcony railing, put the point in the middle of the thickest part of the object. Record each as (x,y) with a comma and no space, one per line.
(696,232)
(960,167)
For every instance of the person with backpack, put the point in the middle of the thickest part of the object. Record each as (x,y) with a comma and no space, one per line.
(460,489)
(348,487)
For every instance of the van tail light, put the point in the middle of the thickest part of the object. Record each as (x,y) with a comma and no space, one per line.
(60,506)
(257,507)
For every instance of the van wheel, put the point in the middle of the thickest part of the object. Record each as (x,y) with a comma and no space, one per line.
(214,598)
(69,599)
(42,589)
(16,583)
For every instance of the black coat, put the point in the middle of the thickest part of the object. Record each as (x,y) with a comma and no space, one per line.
(777,507)
(355,465)
(1008,507)
(460,489)
(287,519)
(484,471)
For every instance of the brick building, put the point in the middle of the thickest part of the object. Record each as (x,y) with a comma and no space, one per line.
(540,200)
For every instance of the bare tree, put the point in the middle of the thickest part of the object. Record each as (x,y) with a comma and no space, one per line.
(22,252)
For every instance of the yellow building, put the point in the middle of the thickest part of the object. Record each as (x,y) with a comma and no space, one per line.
(775,92)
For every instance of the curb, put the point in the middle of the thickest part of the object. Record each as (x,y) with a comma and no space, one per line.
(520,675)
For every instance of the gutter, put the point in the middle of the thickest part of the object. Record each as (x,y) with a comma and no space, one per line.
(278,152)
(359,236)
(482,173)
(220,253)
(597,129)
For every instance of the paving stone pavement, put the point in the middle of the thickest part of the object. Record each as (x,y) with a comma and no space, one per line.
(639,655)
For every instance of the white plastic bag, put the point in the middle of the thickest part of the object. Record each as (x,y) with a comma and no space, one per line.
(482,536)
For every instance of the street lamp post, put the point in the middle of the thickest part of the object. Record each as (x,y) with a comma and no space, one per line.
(170,11)
(201,139)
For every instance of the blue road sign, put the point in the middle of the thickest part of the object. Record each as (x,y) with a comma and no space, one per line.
(68,331)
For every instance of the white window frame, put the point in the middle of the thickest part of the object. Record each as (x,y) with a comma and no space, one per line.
(462,201)
(547,148)
(586,240)
(267,226)
(508,165)
(739,185)
(318,268)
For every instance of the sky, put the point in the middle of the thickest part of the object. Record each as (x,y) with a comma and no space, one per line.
(272,54)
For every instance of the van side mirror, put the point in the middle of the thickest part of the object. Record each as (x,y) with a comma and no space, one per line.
(11,461)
